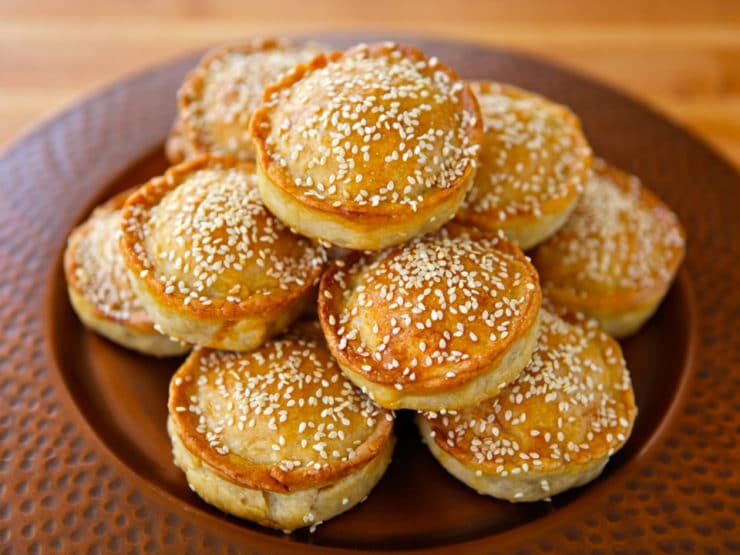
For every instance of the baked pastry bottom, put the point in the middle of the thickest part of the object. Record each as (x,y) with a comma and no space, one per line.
(529,231)
(526,487)
(623,323)
(620,315)
(145,341)
(283,511)
(243,334)
(616,257)
(352,231)
(487,385)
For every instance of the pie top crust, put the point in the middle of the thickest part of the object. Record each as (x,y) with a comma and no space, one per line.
(375,132)
(280,418)
(620,246)
(572,404)
(95,268)
(218,97)
(534,160)
(430,315)
(203,243)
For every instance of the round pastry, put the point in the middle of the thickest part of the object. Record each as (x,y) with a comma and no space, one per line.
(532,165)
(367,148)
(616,256)
(211,265)
(217,99)
(99,287)
(278,435)
(444,321)
(551,429)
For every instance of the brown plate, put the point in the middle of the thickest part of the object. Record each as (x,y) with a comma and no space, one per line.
(85,463)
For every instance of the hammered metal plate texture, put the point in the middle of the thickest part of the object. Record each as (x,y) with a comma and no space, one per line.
(81,470)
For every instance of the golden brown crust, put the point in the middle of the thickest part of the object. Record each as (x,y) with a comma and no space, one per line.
(177,148)
(283,511)
(368,184)
(567,412)
(432,315)
(532,165)
(220,125)
(281,418)
(136,318)
(99,287)
(616,256)
(235,264)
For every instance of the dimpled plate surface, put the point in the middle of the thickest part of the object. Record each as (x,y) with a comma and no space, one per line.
(85,465)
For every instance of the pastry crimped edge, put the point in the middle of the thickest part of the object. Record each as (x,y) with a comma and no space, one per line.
(141,336)
(528,230)
(479,380)
(266,493)
(220,324)
(617,323)
(353,229)
(534,485)
(619,315)
(356,230)
(285,511)
(525,487)
(184,141)
(268,477)
(623,313)
(488,384)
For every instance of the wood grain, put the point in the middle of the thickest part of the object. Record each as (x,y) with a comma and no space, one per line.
(77,410)
(682,57)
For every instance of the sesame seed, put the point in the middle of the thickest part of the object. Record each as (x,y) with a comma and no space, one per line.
(589,412)
(226,88)
(213,229)
(427,294)
(534,154)
(378,114)
(99,271)
(291,386)
(613,238)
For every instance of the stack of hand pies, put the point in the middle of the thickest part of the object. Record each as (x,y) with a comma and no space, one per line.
(375,188)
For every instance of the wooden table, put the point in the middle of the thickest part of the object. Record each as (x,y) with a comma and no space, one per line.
(681,56)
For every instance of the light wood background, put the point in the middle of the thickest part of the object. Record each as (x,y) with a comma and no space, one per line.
(681,56)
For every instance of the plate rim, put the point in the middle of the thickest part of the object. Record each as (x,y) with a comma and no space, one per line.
(591,491)
(668,421)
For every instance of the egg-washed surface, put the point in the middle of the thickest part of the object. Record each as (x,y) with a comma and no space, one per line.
(96,270)
(619,238)
(285,407)
(185,521)
(378,127)
(218,98)
(534,158)
(431,313)
(204,235)
(572,404)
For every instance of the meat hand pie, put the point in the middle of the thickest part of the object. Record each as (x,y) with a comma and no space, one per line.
(99,286)
(616,256)
(217,99)
(367,148)
(211,265)
(278,435)
(444,321)
(532,166)
(551,429)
